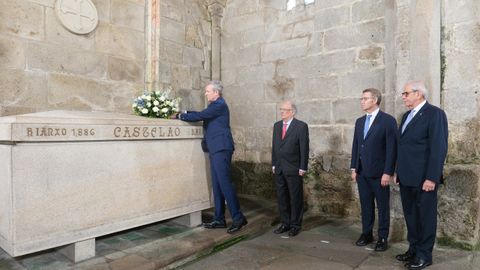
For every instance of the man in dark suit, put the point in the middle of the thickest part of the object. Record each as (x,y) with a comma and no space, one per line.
(290,147)
(218,142)
(373,164)
(422,150)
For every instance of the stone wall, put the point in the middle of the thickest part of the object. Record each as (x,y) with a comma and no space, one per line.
(459,204)
(322,56)
(461,73)
(43,66)
(184,59)
(415,27)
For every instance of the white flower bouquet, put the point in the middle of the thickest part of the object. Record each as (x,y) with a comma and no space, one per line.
(156,104)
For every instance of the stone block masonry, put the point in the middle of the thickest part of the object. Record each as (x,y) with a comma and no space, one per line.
(94,174)
(35,46)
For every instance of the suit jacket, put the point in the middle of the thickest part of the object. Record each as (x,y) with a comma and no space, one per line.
(216,124)
(290,154)
(378,151)
(422,147)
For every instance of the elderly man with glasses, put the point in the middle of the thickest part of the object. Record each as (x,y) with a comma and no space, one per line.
(422,149)
(290,148)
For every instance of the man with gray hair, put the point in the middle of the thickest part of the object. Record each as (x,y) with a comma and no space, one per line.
(422,149)
(290,148)
(218,142)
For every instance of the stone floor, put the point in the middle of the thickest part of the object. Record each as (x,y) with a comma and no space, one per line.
(326,245)
(323,244)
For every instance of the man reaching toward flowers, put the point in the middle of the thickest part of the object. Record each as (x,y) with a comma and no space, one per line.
(218,142)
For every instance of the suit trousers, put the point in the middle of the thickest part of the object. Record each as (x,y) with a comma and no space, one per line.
(420,212)
(290,199)
(223,189)
(371,190)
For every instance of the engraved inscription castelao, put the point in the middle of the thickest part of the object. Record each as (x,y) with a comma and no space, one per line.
(111,132)
(146,132)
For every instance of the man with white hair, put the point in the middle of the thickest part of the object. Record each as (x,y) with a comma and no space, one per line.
(422,149)
(290,148)
(218,142)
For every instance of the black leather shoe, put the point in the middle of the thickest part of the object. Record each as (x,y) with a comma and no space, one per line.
(281,229)
(381,245)
(405,257)
(216,224)
(293,231)
(236,226)
(364,240)
(418,263)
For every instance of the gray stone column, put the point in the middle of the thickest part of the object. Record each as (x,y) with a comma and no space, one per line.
(425,45)
(216,8)
(390,56)
(417,44)
(152,41)
(412,51)
(413,48)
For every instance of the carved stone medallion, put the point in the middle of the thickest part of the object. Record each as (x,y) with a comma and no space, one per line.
(78,16)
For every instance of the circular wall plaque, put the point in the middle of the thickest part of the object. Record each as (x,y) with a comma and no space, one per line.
(78,16)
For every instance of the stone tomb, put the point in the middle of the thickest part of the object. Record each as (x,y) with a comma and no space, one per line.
(67,177)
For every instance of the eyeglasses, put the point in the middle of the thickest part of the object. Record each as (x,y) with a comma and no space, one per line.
(285,110)
(406,93)
(365,98)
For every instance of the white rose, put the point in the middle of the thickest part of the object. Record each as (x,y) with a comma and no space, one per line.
(143,96)
(149,104)
(134,105)
(155,109)
(168,103)
(157,93)
(156,103)
(164,110)
(144,111)
(162,98)
(149,97)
